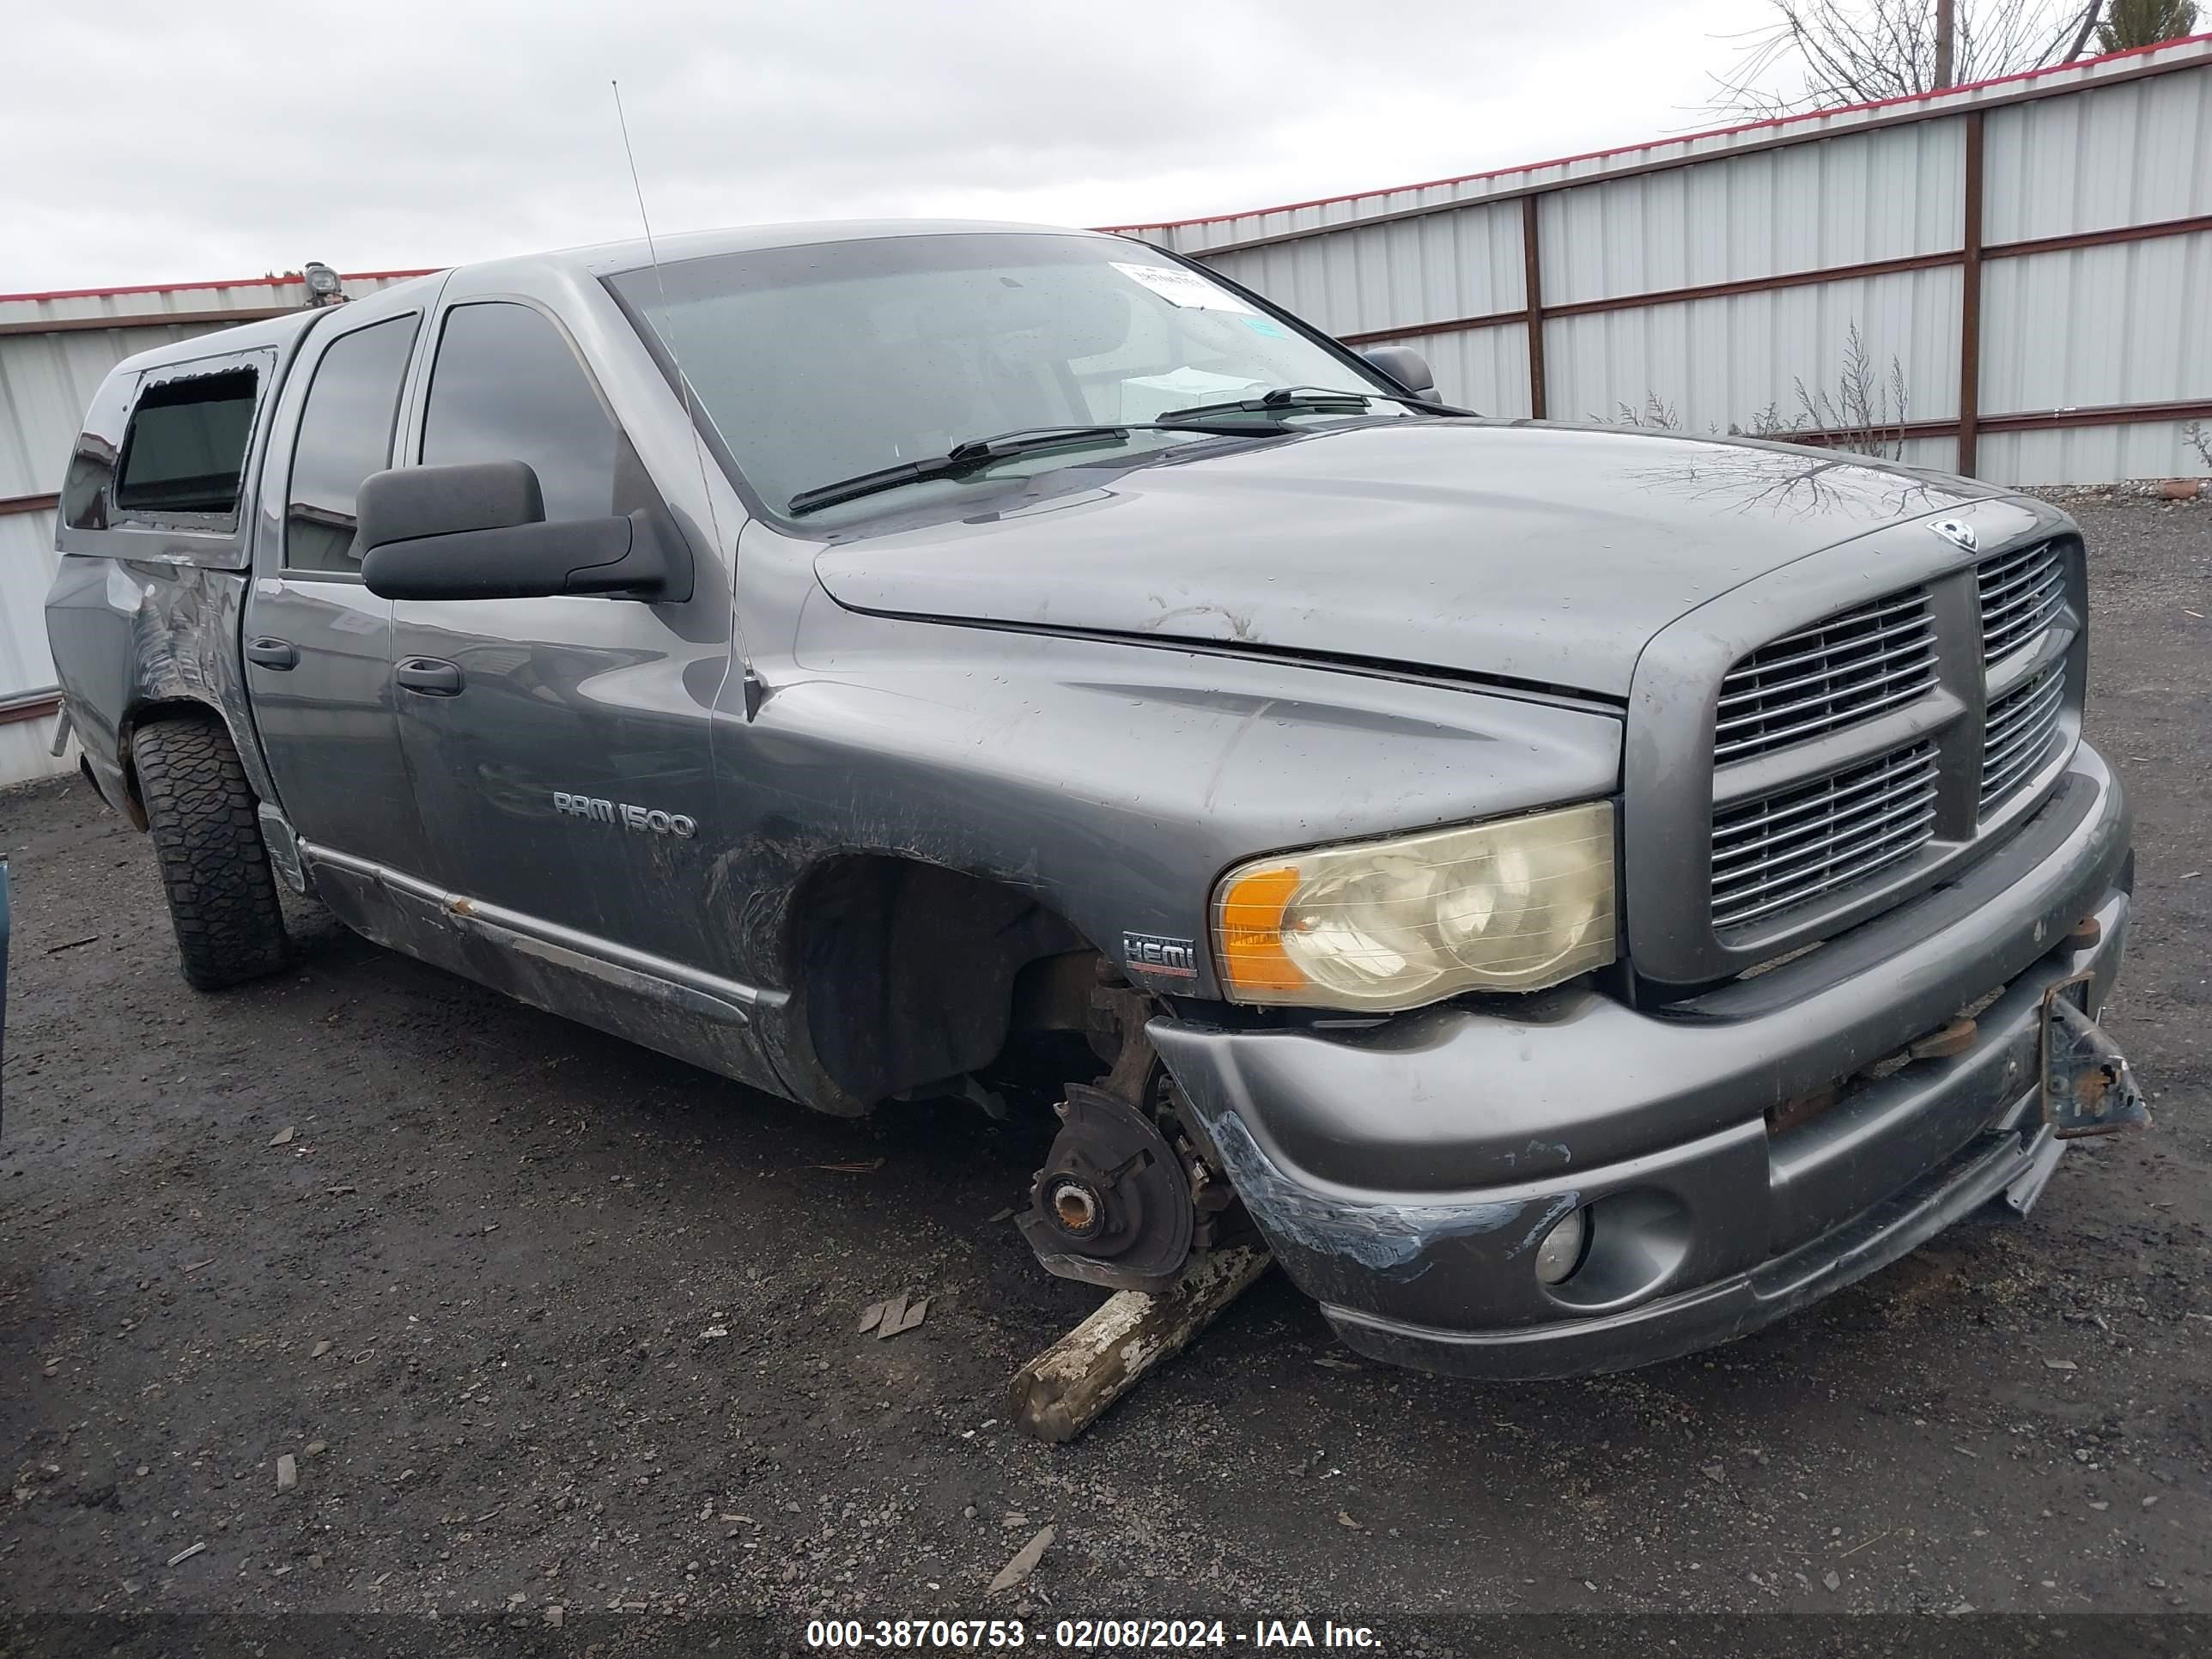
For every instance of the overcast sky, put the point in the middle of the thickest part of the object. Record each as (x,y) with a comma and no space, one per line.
(142,140)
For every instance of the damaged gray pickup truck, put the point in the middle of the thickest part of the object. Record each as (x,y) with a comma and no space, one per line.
(1580,894)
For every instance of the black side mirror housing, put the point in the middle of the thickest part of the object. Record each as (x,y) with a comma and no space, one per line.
(1404,365)
(478,531)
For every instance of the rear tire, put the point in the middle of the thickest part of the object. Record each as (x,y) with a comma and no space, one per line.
(205,822)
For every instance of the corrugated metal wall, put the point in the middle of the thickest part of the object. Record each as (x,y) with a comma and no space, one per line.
(47,379)
(2112,146)
(2127,323)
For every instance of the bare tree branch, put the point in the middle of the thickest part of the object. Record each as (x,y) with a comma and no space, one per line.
(2082,34)
(1816,54)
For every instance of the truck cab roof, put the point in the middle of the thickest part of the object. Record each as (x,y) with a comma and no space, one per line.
(591,263)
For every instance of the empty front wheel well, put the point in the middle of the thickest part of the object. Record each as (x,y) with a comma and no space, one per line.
(908,973)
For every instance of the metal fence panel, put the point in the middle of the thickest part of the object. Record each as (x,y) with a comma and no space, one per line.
(2131,155)
(27,567)
(1463,264)
(2135,327)
(1784,218)
(1722,362)
(23,746)
(2151,449)
(1883,195)
(45,382)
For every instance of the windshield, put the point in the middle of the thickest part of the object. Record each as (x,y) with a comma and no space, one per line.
(816,363)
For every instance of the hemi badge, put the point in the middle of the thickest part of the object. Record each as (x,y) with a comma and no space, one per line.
(1154,953)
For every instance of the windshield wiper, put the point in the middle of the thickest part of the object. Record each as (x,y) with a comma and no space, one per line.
(1306,400)
(977,453)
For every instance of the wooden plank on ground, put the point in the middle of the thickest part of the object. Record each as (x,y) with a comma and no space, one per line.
(1063,1390)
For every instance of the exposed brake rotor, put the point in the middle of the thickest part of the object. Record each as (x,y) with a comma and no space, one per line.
(1112,1205)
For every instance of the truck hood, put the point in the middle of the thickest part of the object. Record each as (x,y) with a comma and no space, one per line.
(1540,554)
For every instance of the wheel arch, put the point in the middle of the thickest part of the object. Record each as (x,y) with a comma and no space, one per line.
(145,712)
(905,972)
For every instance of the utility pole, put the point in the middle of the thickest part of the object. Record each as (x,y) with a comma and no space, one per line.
(1946,28)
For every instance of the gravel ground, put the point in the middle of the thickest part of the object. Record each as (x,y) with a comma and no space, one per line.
(548,1320)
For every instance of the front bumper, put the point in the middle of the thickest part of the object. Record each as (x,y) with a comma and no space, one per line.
(1405,1174)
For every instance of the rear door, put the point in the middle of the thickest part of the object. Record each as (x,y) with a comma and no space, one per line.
(560,747)
(317,643)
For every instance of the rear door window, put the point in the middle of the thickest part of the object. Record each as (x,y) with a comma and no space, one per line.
(345,435)
(185,451)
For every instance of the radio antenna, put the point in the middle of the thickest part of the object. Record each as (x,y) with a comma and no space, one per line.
(752,685)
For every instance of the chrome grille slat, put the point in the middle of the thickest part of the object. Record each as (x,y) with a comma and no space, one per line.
(1893,625)
(2021,593)
(1899,843)
(1810,840)
(1999,757)
(1871,679)
(2023,713)
(2017,733)
(2008,770)
(2017,714)
(1837,673)
(1904,652)
(1774,737)
(1738,824)
(2003,592)
(2001,578)
(2001,785)
(1840,830)
(2019,559)
(2028,609)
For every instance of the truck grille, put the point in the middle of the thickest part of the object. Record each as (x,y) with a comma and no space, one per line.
(1807,841)
(2018,733)
(1860,758)
(2021,594)
(1837,673)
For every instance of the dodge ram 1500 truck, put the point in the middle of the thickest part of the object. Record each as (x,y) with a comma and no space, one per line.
(1578,893)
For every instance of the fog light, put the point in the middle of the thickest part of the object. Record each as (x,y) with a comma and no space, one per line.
(1561,1252)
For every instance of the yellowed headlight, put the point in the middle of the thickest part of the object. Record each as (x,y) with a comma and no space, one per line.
(1515,905)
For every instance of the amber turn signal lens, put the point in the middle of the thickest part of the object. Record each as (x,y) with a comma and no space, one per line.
(1251,925)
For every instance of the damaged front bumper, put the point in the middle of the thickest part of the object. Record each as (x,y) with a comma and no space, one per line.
(1405,1175)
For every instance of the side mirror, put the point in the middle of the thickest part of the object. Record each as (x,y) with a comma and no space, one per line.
(478,531)
(1404,365)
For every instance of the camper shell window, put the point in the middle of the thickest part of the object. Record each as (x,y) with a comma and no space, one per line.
(185,450)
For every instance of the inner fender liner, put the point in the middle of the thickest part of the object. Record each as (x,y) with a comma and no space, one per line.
(909,971)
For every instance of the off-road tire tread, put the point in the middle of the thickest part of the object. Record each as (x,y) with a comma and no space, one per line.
(204,819)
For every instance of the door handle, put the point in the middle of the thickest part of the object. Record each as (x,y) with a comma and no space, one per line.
(272,652)
(432,676)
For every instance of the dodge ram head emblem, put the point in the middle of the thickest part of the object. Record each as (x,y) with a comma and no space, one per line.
(1960,536)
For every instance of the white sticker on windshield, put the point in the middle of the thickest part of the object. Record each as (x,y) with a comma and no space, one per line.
(1179,287)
